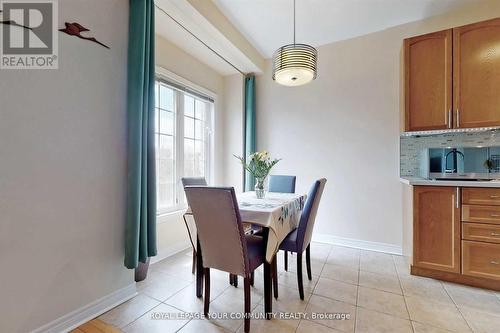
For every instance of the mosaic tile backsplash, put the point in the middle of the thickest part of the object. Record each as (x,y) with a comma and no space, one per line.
(413,148)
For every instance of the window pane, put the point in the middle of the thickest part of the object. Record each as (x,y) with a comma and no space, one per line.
(200,109)
(167,122)
(198,129)
(166,98)
(189,168)
(157,111)
(199,150)
(194,121)
(166,171)
(166,196)
(189,127)
(199,158)
(188,106)
(189,157)
(188,149)
(157,94)
(199,168)
(166,150)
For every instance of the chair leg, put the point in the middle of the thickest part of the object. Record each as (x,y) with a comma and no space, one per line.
(207,291)
(246,283)
(299,275)
(252,279)
(268,305)
(193,269)
(199,272)
(233,280)
(286,260)
(275,277)
(308,262)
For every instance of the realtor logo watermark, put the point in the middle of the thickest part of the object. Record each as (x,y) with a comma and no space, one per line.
(28,34)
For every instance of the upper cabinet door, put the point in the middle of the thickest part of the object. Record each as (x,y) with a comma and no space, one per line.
(477,74)
(428,81)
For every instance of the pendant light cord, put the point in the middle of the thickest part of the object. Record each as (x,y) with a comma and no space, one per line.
(293,22)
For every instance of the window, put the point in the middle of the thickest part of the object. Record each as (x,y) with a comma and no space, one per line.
(183,126)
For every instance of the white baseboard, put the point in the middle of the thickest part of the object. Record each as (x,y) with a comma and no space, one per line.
(170,251)
(88,312)
(358,244)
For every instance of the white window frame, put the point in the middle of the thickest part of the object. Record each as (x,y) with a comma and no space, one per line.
(162,73)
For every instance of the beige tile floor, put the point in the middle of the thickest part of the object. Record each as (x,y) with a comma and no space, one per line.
(375,289)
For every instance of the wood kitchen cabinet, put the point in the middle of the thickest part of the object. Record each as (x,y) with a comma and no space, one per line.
(481,233)
(481,259)
(436,228)
(476,74)
(428,81)
(452,78)
(456,234)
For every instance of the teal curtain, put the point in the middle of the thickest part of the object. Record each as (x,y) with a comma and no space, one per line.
(250,120)
(140,230)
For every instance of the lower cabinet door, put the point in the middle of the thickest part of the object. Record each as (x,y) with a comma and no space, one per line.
(481,259)
(436,228)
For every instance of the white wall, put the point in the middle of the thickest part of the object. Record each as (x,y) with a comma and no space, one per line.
(63,173)
(345,126)
(172,235)
(341,127)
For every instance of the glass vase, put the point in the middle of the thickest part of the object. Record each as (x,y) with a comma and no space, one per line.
(260,191)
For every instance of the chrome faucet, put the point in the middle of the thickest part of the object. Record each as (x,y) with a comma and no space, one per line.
(455,152)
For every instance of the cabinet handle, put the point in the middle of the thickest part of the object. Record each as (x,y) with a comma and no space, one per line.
(449,118)
(493,262)
(493,196)
(458,197)
(495,234)
(458,117)
(494,215)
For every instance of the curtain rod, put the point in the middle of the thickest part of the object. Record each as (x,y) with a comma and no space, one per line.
(197,38)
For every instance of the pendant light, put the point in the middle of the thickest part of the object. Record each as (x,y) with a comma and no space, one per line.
(295,64)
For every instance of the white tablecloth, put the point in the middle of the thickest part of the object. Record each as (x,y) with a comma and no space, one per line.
(280,212)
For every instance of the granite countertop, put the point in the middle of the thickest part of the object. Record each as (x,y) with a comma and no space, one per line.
(460,183)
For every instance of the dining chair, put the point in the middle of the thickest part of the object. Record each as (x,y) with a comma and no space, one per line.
(189,222)
(223,242)
(283,184)
(191,227)
(299,240)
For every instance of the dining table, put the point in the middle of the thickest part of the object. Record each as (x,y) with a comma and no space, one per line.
(277,214)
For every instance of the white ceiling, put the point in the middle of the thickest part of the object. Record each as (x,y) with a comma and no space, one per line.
(172,15)
(268,24)
(171,31)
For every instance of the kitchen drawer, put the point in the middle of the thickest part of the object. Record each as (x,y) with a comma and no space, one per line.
(481,214)
(481,232)
(481,260)
(481,196)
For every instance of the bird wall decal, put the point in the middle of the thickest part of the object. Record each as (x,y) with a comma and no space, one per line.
(75,29)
